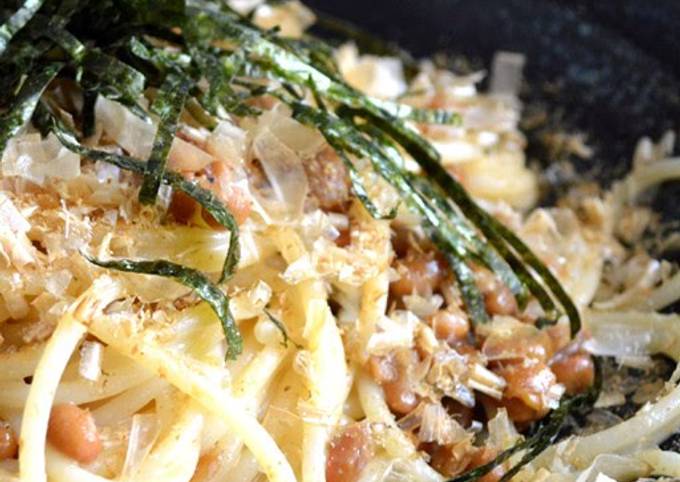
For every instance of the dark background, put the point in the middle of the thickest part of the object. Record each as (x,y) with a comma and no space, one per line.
(610,69)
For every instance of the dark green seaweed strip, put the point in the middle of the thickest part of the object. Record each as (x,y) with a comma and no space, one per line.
(220,72)
(102,73)
(424,116)
(447,236)
(317,53)
(546,434)
(290,68)
(221,214)
(17,21)
(360,191)
(344,136)
(114,80)
(88,120)
(67,41)
(188,276)
(25,102)
(202,196)
(474,302)
(494,231)
(168,106)
(161,59)
(193,279)
(529,257)
(287,66)
(282,328)
(484,252)
(160,13)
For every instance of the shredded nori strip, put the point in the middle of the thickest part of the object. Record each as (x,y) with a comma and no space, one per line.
(25,102)
(204,197)
(282,328)
(188,276)
(17,21)
(191,278)
(167,106)
(545,434)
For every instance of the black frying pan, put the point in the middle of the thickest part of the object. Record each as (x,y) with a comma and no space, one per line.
(610,69)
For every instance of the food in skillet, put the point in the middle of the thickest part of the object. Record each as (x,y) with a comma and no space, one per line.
(230,252)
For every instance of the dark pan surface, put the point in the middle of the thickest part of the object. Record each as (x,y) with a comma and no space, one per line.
(610,69)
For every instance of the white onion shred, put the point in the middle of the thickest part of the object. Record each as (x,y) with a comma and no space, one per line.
(652,424)
(437,426)
(184,156)
(124,128)
(15,247)
(395,331)
(279,144)
(33,158)
(143,433)
(377,76)
(502,432)
(607,467)
(292,18)
(633,334)
(90,366)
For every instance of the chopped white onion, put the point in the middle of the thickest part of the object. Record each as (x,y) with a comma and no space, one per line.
(662,462)
(609,467)
(90,366)
(35,159)
(437,426)
(184,156)
(14,244)
(143,433)
(652,424)
(227,142)
(633,334)
(381,77)
(124,128)
(395,331)
(292,18)
(502,432)
(277,146)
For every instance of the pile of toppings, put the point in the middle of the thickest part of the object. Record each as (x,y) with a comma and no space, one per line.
(164,139)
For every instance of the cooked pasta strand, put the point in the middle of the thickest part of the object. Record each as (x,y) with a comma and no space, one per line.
(46,378)
(182,374)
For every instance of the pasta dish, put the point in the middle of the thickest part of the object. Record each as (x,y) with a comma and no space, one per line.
(230,251)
